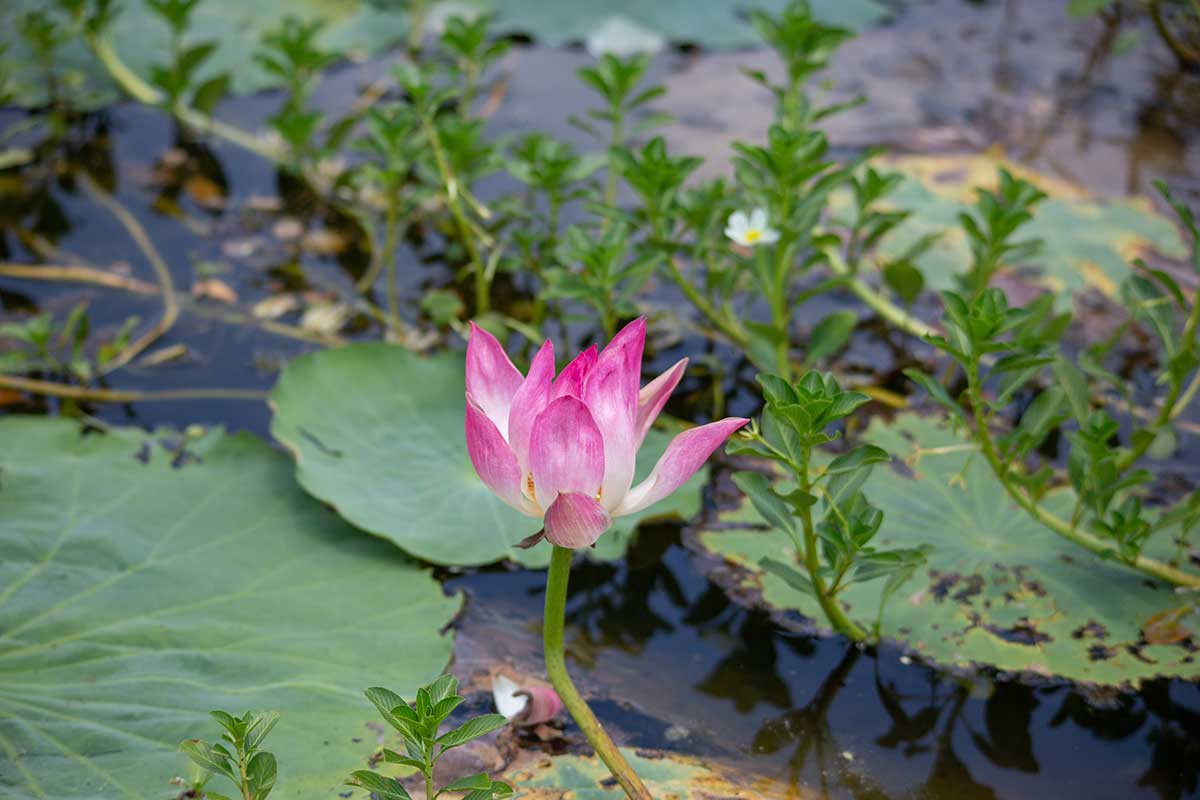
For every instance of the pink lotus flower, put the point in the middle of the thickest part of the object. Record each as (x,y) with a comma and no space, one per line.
(564,448)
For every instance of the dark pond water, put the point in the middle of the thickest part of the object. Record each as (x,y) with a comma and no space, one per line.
(674,662)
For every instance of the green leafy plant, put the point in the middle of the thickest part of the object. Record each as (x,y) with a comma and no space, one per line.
(823,509)
(177,78)
(1002,351)
(251,769)
(617,82)
(420,723)
(65,349)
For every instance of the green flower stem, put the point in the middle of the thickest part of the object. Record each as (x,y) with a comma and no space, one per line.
(1141,563)
(618,139)
(483,297)
(556,669)
(391,237)
(730,330)
(812,562)
(877,302)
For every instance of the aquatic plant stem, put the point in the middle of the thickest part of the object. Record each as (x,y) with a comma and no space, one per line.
(1176,401)
(139,90)
(1102,548)
(556,668)
(68,391)
(812,562)
(450,183)
(885,308)
(166,283)
(732,332)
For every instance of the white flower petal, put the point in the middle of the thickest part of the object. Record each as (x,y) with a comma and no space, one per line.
(504,694)
(768,236)
(758,218)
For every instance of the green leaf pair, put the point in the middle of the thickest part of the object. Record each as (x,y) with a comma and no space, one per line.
(419,723)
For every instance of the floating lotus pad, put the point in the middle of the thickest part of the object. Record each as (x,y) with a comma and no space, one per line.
(999,589)
(149,579)
(390,456)
(1086,243)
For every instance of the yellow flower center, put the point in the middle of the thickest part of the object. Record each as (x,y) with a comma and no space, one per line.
(753,235)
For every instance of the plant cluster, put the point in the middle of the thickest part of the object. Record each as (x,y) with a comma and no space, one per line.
(253,770)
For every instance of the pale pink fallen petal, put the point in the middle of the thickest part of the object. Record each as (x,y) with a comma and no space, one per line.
(576,520)
(566,451)
(491,377)
(529,401)
(492,458)
(686,453)
(544,705)
(612,399)
(654,395)
(570,380)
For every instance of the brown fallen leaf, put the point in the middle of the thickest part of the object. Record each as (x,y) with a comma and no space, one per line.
(275,306)
(215,289)
(204,192)
(1168,627)
(324,242)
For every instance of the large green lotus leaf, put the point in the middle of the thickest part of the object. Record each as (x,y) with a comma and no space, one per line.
(999,589)
(667,776)
(378,432)
(363,27)
(142,585)
(1085,243)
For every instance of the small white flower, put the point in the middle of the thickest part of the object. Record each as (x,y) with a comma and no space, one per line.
(750,230)
(504,693)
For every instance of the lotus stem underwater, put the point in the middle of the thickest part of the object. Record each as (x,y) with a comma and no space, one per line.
(563,449)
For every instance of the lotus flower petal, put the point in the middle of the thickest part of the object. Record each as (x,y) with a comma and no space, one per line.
(653,397)
(492,458)
(566,451)
(631,340)
(612,398)
(576,520)
(544,705)
(570,381)
(507,696)
(529,401)
(491,377)
(686,453)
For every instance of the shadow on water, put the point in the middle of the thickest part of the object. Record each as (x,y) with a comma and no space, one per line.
(681,667)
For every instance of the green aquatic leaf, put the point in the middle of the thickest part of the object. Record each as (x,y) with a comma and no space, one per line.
(1086,243)
(998,589)
(391,457)
(367,27)
(148,579)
